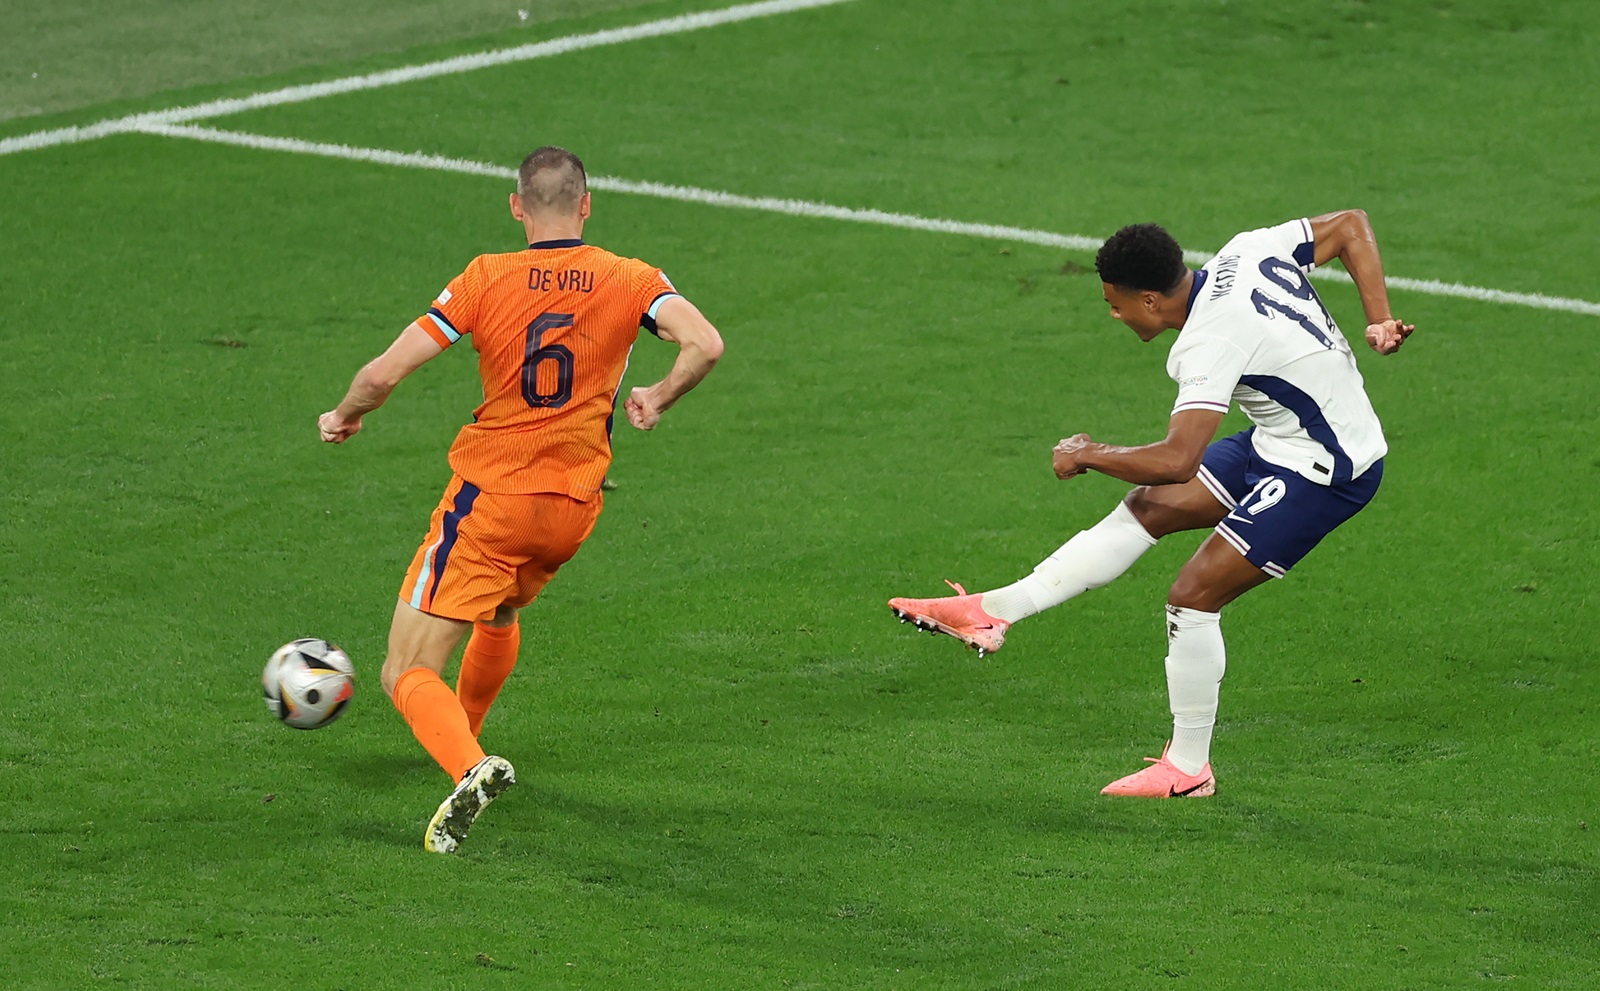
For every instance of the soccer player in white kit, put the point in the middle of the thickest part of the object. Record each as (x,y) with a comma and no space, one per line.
(1252,331)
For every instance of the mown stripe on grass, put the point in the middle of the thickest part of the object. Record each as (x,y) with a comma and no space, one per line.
(411,73)
(806,208)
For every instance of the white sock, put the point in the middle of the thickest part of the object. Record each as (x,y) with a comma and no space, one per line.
(1090,559)
(1196,660)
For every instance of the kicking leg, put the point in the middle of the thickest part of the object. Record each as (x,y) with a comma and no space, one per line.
(419,646)
(1092,558)
(1100,554)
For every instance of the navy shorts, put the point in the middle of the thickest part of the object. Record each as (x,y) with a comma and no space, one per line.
(1275,516)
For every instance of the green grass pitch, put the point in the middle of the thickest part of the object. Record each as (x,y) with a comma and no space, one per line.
(736,771)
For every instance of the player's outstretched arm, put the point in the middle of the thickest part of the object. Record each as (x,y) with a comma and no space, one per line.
(375,381)
(699,348)
(1347,235)
(1172,460)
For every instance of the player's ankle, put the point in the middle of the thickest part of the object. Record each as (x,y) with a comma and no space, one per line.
(1009,604)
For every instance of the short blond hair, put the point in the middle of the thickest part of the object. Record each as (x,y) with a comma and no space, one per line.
(552,180)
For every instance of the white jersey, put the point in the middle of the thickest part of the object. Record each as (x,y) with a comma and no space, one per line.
(1258,335)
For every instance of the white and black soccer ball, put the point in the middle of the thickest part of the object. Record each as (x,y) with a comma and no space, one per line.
(308,683)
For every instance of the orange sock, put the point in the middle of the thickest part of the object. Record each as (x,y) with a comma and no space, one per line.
(436,719)
(487,663)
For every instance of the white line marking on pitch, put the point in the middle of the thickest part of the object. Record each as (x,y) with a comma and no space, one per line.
(412,73)
(805,208)
(157,122)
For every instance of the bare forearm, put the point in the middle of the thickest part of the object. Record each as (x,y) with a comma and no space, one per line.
(693,364)
(699,348)
(1172,460)
(368,391)
(376,380)
(1151,464)
(1348,236)
(1361,259)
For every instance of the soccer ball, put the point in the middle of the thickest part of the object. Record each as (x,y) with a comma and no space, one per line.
(308,683)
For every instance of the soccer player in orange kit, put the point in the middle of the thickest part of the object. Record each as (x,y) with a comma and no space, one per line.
(553,327)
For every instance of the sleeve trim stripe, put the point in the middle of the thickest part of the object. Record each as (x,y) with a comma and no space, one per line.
(444,325)
(655,304)
(648,321)
(1305,254)
(433,333)
(1201,404)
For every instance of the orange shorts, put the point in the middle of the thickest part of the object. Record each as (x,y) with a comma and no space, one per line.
(486,549)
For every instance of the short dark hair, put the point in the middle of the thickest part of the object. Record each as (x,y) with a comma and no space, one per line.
(1141,257)
(552,179)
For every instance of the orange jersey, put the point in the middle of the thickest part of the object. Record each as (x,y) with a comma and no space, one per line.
(553,327)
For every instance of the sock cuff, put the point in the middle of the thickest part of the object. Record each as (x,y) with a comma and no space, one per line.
(1186,618)
(496,632)
(410,682)
(1124,516)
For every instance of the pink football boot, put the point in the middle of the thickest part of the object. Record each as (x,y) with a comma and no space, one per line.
(960,616)
(1163,779)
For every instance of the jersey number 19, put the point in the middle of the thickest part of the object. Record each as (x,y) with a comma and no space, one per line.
(1294,282)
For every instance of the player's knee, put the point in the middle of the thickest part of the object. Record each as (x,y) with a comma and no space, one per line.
(1155,517)
(503,616)
(394,668)
(1191,592)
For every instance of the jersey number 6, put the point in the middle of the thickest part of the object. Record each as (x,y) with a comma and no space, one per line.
(536,353)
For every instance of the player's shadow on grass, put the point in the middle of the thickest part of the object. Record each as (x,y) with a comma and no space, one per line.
(378,769)
(405,789)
